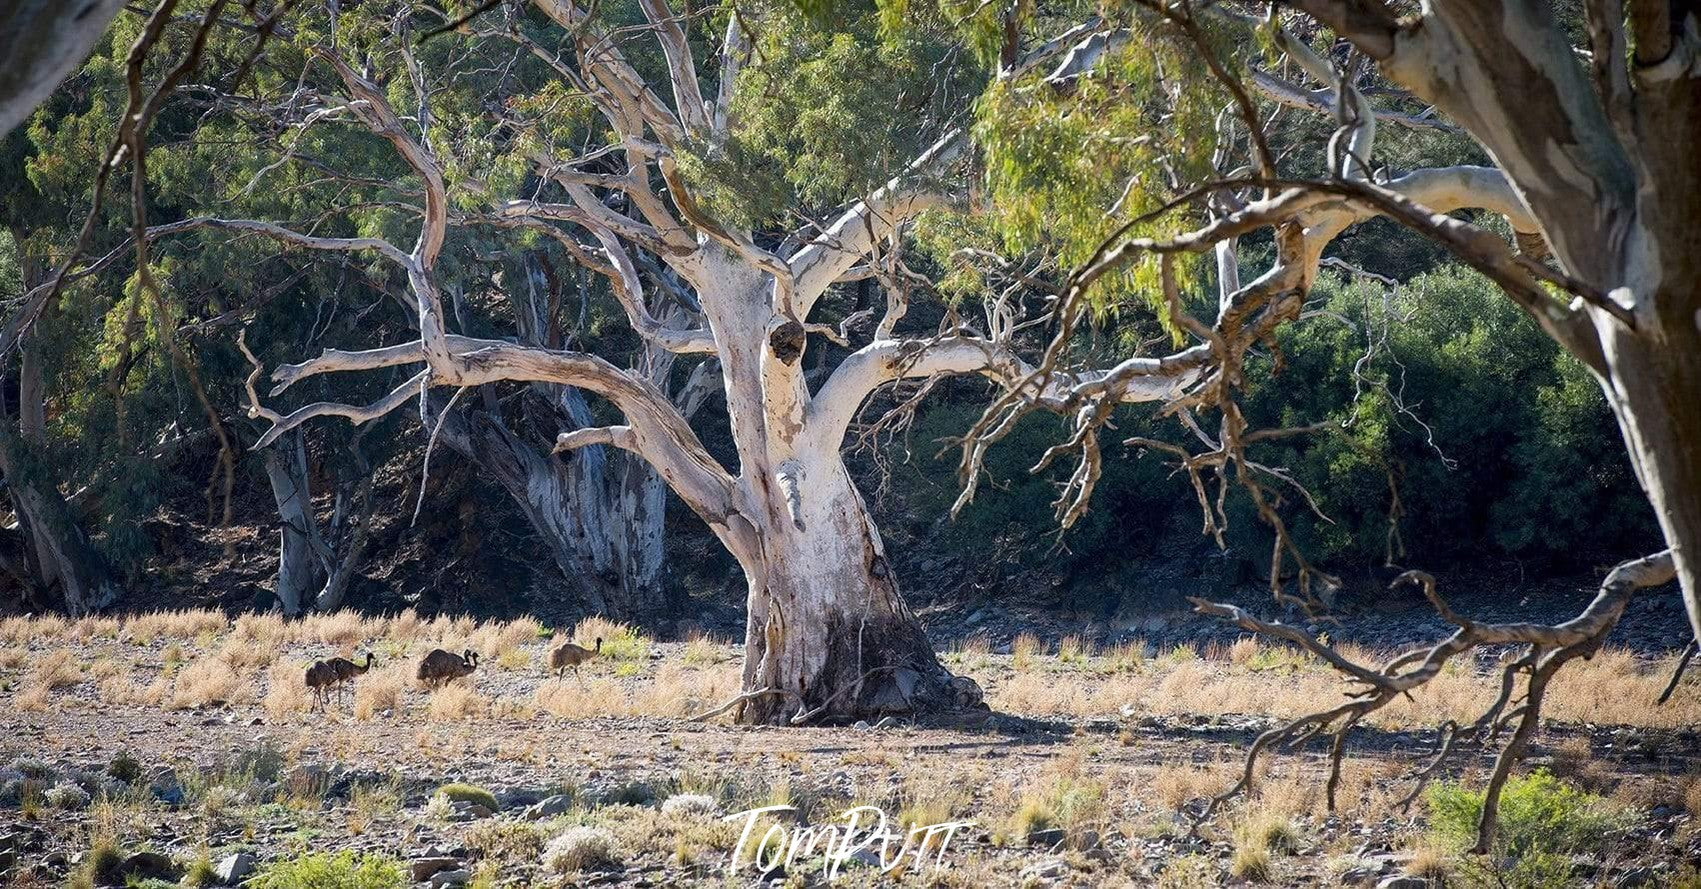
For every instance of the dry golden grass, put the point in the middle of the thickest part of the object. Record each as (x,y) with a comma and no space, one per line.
(975,645)
(20,630)
(1692,797)
(340,629)
(95,627)
(1614,687)
(676,691)
(268,629)
(12,658)
(1243,651)
(1022,651)
(286,692)
(31,698)
(380,690)
(52,671)
(209,680)
(143,629)
(1071,649)
(1174,784)
(246,653)
(703,650)
(457,700)
(406,624)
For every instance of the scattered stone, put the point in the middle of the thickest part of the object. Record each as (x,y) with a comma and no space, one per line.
(1358,876)
(861,725)
(166,788)
(1403,881)
(233,868)
(548,807)
(1049,837)
(468,811)
(147,866)
(422,869)
(887,722)
(457,877)
(1041,872)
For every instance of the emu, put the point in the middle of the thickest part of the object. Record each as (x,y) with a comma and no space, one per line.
(345,669)
(570,655)
(320,677)
(439,666)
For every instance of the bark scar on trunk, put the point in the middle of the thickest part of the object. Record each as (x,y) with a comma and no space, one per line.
(787,341)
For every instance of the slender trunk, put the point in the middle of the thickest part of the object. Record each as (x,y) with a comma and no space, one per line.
(330,598)
(299,568)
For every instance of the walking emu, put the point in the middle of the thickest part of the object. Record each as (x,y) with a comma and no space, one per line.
(320,678)
(345,670)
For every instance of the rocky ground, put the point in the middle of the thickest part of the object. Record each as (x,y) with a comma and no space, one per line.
(1090,773)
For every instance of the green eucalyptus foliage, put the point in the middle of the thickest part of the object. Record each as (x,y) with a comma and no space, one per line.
(824,112)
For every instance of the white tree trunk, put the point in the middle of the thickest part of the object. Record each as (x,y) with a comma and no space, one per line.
(299,569)
(42,41)
(828,630)
(598,514)
(828,633)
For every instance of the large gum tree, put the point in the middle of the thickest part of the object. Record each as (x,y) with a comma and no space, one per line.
(650,197)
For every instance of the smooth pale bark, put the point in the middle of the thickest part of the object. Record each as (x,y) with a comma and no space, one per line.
(1607,168)
(828,632)
(299,568)
(41,42)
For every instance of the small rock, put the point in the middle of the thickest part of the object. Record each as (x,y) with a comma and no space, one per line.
(1636,876)
(1358,876)
(422,869)
(865,857)
(233,868)
(861,725)
(1048,837)
(1403,881)
(147,865)
(548,807)
(887,722)
(166,788)
(456,877)
(1043,872)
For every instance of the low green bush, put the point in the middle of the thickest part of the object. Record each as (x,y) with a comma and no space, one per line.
(342,870)
(1538,814)
(469,793)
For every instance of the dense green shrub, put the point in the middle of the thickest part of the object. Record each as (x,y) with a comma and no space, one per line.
(343,870)
(1500,447)
(1538,814)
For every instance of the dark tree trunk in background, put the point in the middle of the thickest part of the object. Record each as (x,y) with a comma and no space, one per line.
(84,582)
